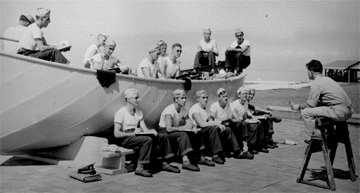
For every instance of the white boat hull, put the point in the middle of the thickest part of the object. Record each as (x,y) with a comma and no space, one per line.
(46,105)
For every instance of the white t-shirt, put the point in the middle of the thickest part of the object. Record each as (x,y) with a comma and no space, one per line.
(151,68)
(27,40)
(238,109)
(99,62)
(127,120)
(197,109)
(219,113)
(14,32)
(89,52)
(207,46)
(242,45)
(176,116)
(172,70)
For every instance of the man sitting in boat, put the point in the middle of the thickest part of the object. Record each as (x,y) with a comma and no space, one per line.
(237,55)
(170,65)
(265,117)
(175,123)
(94,49)
(207,51)
(15,33)
(247,130)
(105,61)
(32,42)
(209,130)
(149,67)
(220,111)
(163,47)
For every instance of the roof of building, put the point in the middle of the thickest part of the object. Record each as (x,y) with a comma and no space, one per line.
(343,64)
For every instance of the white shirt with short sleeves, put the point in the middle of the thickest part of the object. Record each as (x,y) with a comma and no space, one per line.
(238,109)
(89,52)
(145,63)
(99,62)
(172,69)
(242,45)
(27,40)
(197,109)
(177,117)
(219,113)
(13,32)
(207,46)
(127,120)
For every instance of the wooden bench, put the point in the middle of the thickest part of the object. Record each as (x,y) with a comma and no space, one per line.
(113,163)
(342,136)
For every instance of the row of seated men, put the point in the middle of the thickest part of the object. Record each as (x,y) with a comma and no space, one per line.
(222,131)
(98,56)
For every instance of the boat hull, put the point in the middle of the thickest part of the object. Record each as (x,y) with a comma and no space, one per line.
(46,105)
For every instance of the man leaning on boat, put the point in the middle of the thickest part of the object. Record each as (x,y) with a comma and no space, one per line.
(33,43)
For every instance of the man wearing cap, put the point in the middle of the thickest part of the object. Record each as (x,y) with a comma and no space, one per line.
(209,129)
(15,32)
(149,67)
(326,99)
(174,122)
(32,42)
(220,111)
(94,49)
(247,130)
(170,65)
(207,51)
(237,55)
(105,61)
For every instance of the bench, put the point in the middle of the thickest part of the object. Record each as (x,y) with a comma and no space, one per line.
(341,134)
(113,163)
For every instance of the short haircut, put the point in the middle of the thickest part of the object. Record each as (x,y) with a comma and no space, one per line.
(176,45)
(315,66)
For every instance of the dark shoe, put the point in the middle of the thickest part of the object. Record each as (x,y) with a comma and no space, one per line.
(190,167)
(143,173)
(218,160)
(264,150)
(276,119)
(206,162)
(245,155)
(270,146)
(170,168)
(254,151)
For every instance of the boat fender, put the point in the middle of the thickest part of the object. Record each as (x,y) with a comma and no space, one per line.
(105,78)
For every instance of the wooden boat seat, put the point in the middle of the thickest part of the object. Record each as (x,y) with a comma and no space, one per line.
(341,134)
(114,162)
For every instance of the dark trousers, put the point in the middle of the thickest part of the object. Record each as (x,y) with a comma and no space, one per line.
(197,144)
(229,141)
(164,147)
(202,60)
(179,141)
(268,128)
(52,55)
(252,133)
(141,144)
(236,61)
(211,136)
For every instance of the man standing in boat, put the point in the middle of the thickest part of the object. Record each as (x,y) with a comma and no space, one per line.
(175,123)
(207,51)
(149,67)
(237,55)
(33,43)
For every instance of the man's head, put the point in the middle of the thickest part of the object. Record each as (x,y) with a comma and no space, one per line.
(251,94)
(26,20)
(43,17)
(202,97)
(179,96)
(176,50)
(132,96)
(101,38)
(154,53)
(314,67)
(163,47)
(239,34)
(109,47)
(242,93)
(207,33)
(222,94)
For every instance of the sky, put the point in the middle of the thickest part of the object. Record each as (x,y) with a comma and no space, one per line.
(284,35)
